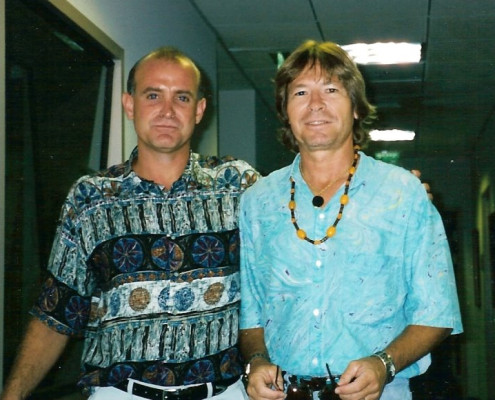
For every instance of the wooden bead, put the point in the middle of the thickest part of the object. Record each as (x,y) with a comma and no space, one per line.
(344,199)
(331,231)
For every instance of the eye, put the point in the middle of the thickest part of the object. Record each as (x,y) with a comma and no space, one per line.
(332,90)
(152,96)
(300,93)
(184,98)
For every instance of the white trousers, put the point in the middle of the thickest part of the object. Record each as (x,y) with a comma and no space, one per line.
(235,391)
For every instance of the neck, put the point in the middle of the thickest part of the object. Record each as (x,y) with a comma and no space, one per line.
(320,169)
(162,168)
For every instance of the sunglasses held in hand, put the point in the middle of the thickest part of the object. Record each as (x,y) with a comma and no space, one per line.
(303,388)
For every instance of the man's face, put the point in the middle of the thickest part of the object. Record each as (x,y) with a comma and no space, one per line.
(320,111)
(165,106)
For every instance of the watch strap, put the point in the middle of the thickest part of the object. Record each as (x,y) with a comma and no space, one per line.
(388,362)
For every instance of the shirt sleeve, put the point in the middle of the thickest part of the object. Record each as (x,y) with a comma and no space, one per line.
(432,294)
(64,302)
(251,310)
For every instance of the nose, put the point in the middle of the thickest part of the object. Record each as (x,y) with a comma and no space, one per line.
(315,102)
(167,109)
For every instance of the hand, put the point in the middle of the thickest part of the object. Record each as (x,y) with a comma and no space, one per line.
(363,379)
(417,173)
(265,381)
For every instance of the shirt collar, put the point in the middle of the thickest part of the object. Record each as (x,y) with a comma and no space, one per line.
(187,177)
(357,180)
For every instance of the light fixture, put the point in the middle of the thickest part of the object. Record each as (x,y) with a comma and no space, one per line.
(391,135)
(384,53)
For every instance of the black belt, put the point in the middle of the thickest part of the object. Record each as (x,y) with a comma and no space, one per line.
(302,388)
(198,392)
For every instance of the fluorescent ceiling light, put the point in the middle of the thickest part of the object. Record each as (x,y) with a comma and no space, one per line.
(384,53)
(391,135)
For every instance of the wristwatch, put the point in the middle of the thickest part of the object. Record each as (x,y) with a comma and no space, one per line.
(388,363)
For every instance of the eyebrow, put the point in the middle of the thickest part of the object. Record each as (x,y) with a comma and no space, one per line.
(157,89)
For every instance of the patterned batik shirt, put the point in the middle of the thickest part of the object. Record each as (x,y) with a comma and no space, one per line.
(388,266)
(149,276)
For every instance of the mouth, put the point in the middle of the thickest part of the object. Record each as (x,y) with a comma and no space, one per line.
(165,126)
(317,122)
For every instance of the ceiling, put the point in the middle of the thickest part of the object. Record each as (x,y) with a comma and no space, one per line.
(448,99)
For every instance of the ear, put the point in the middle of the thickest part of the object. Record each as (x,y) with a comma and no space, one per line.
(200,110)
(356,116)
(128,104)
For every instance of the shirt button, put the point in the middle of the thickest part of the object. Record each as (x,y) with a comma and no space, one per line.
(321,216)
(316,312)
(314,361)
(318,263)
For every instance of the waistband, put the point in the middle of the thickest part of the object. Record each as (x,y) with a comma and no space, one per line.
(190,392)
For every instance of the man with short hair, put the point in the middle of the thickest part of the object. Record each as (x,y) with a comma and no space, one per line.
(145,262)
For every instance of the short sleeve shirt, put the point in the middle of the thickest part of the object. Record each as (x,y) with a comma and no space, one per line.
(388,266)
(149,276)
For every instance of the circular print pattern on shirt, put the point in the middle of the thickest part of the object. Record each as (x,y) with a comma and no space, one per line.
(184,299)
(234,248)
(50,296)
(86,193)
(159,374)
(200,371)
(90,379)
(99,261)
(77,312)
(163,298)
(139,299)
(119,373)
(208,251)
(166,254)
(229,178)
(234,289)
(214,293)
(230,365)
(127,255)
(114,304)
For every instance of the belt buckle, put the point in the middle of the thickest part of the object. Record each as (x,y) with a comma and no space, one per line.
(170,394)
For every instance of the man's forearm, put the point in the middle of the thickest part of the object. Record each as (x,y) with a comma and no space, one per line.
(39,350)
(252,344)
(415,342)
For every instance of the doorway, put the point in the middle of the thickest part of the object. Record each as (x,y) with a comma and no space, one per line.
(58,102)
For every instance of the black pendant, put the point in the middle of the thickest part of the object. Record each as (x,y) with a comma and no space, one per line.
(318,201)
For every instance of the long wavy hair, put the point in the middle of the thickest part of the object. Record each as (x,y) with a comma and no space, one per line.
(334,61)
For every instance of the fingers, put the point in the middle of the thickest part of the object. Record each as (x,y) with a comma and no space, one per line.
(278,381)
(265,383)
(416,173)
(362,379)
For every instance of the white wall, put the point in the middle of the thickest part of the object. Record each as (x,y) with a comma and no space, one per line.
(139,26)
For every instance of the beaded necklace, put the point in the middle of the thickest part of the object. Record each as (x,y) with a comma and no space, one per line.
(344,199)
(318,200)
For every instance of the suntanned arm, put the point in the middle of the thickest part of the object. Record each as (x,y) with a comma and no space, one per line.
(39,350)
(365,378)
(262,374)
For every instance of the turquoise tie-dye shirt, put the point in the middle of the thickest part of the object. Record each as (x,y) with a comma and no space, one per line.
(388,266)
